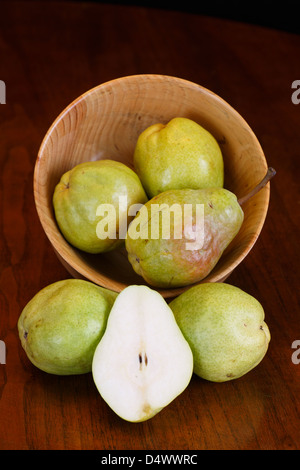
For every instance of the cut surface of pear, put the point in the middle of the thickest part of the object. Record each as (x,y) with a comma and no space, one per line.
(142,362)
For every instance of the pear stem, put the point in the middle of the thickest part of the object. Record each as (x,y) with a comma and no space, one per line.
(269,175)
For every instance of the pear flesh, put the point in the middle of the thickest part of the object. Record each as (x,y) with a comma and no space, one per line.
(142,362)
(225,328)
(177,155)
(173,262)
(61,326)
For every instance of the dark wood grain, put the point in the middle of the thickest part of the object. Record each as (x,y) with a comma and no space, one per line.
(52,52)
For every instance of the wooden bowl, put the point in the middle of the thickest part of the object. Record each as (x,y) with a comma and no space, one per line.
(105,122)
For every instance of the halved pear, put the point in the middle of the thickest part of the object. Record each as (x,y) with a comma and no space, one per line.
(142,362)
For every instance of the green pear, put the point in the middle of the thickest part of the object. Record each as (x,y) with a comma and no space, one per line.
(62,324)
(178,237)
(91,204)
(225,329)
(178,155)
(142,362)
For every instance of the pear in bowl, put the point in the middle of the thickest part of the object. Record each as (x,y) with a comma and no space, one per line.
(177,155)
(178,237)
(81,197)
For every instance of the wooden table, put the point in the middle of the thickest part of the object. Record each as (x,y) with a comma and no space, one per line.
(50,53)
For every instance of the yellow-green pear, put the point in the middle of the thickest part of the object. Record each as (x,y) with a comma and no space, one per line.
(91,204)
(61,326)
(225,329)
(178,237)
(177,155)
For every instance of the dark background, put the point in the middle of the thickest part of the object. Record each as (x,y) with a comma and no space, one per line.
(283,15)
(280,15)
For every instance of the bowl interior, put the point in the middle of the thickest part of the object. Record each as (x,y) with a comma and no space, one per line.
(105,122)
